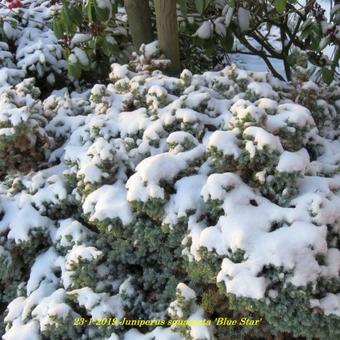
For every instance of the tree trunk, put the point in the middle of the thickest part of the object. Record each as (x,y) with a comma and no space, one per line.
(139,18)
(167,31)
(337,16)
(337,47)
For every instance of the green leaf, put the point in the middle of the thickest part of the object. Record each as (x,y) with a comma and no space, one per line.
(106,47)
(306,26)
(316,35)
(210,46)
(86,67)
(207,3)
(183,7)
(280,5)
(89,9)
(231,3)
(227,42)
(114,8)
(202,5)
(66,19)
(327,75)
(292,59)
(91,44)
(76,15)
(57,27)
(103,14)
(74,70)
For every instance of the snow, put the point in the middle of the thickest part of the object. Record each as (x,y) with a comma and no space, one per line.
(195,99)
(217,185)
(45,289)
(108,202)
(159,333)
(277,248)
(228,16)
(15,116)
(330,304)
(263,138)
(268,105)
(28,331)
(52,306)
(126,288)
(21,218)
(79,38)
(187,198)
(186,292)
(81,56)
(243,282)
(54,192)
(71,231)
(243,16)
(105,5)
(262,90)
(246,227)
(152,170)
(226,142)
(179,137)
(150,49)
(42,268)
(81,252)
(199,331)
(158,91)
(292,114)
(220,27)
(112,337)
(101,304)
(119,71)
(195,230)
(205,31)
(293,161)
(40,49)
(332,263)
(310,85)
(132,122)
(186,115)
(242,109)
(72,59)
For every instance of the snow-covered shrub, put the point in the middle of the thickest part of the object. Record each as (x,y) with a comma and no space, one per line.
(6,58)
(23,140)
(38,52)
(34,46)
(175,199)
(24,233)
(323,102)
(185,308)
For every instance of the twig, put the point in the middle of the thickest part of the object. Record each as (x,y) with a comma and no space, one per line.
(259,53)
(251,53)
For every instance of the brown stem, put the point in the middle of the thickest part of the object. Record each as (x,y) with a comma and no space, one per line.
(262,54)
